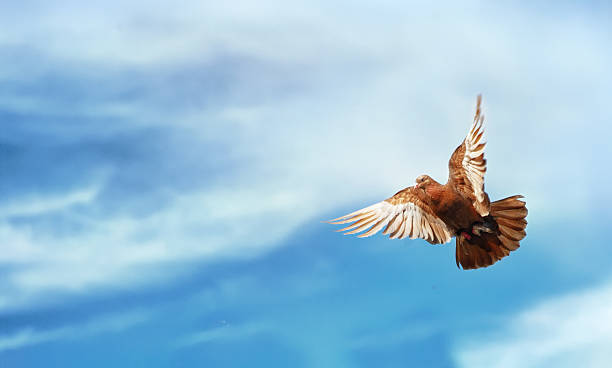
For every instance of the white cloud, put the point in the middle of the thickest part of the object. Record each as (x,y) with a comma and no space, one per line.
(102,324)
(38,205)
(223,332)
(569,331)
(123,251)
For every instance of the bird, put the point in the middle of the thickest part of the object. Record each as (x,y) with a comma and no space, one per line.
(484,231)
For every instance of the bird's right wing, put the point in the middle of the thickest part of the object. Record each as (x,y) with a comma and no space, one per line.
(403,215)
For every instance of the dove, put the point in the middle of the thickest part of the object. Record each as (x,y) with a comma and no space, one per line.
(484,231)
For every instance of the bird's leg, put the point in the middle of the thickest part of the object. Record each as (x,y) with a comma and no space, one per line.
(466,235)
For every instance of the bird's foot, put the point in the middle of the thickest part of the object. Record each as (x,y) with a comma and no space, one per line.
(479,228)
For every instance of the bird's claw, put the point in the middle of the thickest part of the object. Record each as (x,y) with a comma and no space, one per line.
(478,228)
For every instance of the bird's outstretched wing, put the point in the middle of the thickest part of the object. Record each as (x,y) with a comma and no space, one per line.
(467,165)
(403,215)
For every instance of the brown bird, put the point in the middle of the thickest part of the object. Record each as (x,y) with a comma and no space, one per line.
(485,232)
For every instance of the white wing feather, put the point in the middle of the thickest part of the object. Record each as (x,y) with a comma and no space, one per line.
(399,221)
(473,162)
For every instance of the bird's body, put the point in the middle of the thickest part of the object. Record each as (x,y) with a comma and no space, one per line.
(450,206)
(485,232)
(446,203)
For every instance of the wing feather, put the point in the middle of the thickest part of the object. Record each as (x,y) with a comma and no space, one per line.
(467,165)
(363,221)
(403,215)
(405,228)
(397,234)
(393,224)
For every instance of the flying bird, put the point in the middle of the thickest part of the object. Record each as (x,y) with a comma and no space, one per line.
(484,231)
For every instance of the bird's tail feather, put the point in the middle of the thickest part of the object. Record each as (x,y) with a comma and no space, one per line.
(485,249)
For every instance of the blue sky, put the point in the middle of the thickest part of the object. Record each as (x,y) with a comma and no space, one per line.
(165,170)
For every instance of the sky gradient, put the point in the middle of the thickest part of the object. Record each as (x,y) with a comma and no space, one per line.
(166,168)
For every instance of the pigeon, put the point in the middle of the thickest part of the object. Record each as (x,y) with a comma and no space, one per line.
(484,231)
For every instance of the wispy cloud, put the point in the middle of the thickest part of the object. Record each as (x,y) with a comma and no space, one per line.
(568,331)
(225,332)
(34,206)
(123,249)
(99,325)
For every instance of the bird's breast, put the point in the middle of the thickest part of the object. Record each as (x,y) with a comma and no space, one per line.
(435,192)
(452,208)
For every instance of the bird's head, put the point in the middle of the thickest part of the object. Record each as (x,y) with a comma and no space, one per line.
(423,181)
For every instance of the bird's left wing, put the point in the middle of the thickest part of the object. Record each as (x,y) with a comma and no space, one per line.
(467,165)
(403,215)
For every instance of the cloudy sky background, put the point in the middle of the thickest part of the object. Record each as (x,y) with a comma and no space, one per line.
(165,169)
